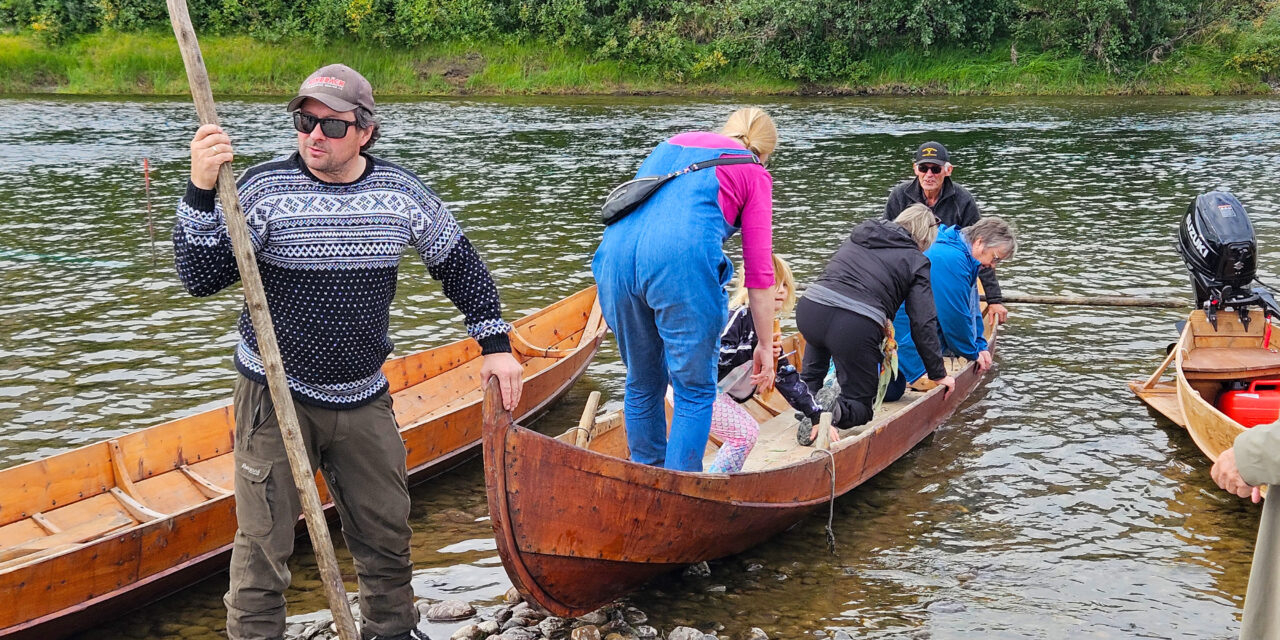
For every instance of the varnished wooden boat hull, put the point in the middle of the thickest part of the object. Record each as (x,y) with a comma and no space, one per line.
(1204,358)
(170,468)
(577,528)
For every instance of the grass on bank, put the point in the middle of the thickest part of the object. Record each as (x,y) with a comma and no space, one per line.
(150,64)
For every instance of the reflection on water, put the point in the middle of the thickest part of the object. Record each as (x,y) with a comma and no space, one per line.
(1053,505)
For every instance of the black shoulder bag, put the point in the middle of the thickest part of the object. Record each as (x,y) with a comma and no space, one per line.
(628,196)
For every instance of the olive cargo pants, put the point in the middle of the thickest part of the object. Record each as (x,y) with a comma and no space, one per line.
(362,457)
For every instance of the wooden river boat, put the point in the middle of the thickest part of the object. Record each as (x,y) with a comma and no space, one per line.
(577,526)
(94,531)
(1204,360)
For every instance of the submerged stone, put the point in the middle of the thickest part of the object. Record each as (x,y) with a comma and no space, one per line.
(755,633)
(553,627)
(700,570)
(685,633)
(589,632)
(449,611)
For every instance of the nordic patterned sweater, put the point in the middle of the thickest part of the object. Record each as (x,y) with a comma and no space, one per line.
(329,255)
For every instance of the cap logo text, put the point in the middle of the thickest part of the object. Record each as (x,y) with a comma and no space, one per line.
(325,81)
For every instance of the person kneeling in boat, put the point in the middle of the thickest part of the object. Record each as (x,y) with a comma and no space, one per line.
(845,314)
(730,422)
(956,258)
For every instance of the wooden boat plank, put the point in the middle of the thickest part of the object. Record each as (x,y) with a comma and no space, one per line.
(1163,397)
(87,510)
(78,533)
(1253,360)
(21,531)
(46,484)
(170,492)
(167,446)
(219,471)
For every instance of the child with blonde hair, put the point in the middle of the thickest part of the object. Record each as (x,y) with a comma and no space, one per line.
(730,422)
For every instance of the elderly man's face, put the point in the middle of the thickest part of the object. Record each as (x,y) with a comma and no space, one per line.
(930,175)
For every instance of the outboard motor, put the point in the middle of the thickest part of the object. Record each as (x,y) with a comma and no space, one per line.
(1217,244)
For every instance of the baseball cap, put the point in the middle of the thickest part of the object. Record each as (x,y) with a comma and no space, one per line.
(338,86)
(931,153)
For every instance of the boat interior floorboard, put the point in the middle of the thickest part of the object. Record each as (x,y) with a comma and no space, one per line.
(777,445)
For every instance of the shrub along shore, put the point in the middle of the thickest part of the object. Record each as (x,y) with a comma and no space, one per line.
(148,63)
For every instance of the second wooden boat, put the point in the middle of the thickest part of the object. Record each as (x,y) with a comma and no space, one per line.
(578,526)
(94,531)
(1205,360)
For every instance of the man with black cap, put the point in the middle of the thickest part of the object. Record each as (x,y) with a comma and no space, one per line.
(952,203)
(328,225)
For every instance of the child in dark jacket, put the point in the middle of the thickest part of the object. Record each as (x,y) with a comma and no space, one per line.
(730,422)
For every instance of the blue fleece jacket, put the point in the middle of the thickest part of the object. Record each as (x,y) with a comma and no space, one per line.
(952,272)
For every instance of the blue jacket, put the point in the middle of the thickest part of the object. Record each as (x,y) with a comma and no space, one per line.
(952,272)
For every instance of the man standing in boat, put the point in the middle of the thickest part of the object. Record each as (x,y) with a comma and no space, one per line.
(328,226)
(952,203)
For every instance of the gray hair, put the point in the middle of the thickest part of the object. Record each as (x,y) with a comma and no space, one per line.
(920,222)
(995,233)
(366,119)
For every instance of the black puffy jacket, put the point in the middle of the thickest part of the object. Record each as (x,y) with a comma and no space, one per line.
(879,264)
(956,208)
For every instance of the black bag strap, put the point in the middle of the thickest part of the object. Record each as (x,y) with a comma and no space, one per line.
(715,162)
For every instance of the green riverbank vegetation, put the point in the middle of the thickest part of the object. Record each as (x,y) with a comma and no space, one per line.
(701,47)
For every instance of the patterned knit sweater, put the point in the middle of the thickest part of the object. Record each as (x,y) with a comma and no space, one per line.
(329,256)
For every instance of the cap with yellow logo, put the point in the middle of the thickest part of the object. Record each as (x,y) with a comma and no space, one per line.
(932,153)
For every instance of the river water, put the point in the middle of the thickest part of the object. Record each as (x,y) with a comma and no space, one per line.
(1052,505)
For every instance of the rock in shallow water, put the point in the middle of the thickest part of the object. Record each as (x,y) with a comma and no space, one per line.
(489,627)
(449,611)
(685,633)
(589,632)
(646,632)
(597,617)
(634,616)
(468,632)
(553,627)
(945,606)
(512,596)
(518,633)
(700,570)
(755,633)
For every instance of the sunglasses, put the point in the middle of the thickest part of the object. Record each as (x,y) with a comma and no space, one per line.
(929,168)
(937,222)
(330,127)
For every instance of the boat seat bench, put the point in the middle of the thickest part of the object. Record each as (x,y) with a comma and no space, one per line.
(1221,363)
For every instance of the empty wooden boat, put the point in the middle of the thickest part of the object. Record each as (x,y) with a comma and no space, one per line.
(94,531)
(578,526)
(1205,361)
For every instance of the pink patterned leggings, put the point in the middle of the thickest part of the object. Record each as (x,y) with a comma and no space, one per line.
(737,429)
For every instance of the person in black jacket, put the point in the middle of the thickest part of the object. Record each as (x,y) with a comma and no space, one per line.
(952,203)
(844,314)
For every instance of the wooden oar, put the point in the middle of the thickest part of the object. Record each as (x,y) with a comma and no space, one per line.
(268,349)
(1098,301)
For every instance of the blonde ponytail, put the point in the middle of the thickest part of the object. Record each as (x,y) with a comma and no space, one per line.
(754,129)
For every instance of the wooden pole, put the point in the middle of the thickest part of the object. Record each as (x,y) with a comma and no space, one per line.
(268,348)
(586,424)
(1098,301)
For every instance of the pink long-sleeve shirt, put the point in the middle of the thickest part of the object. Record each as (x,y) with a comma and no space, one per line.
(746,200)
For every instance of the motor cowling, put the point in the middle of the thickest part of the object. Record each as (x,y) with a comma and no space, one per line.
(1217,244)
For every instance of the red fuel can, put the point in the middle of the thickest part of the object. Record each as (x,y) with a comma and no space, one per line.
(1259,404)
